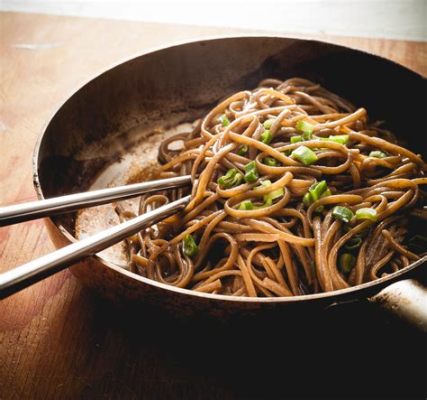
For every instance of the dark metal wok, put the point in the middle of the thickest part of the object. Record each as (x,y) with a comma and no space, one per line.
(106,128)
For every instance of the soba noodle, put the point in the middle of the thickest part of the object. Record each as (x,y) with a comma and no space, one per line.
(294,192)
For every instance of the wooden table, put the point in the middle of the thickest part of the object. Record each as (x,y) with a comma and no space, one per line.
(57,340)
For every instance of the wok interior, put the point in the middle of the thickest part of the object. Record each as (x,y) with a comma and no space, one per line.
(114,120)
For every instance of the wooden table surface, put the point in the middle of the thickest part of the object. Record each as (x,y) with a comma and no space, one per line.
(57,340)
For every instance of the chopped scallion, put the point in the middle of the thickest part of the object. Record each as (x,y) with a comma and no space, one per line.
(304,155)
(266,136)
(367,213)
(320,209)
(264,184)
(270,196)
(246,205)
(270,161)
(305,128)
(347,262)
(342,213)
(377,154)
(315,192)
(251,176)
(232,178)
(307,199)
(353,243)
(224,120)
(267,124)
(190,247)
(327,192)
(296,139)
(341,139)
(242,150)
(251,172)
(273,195)
(317,189)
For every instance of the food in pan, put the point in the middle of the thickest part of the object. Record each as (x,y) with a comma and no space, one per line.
(294,192)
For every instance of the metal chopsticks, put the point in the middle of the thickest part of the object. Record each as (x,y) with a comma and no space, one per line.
(20,277)
(41,208)
(25,275)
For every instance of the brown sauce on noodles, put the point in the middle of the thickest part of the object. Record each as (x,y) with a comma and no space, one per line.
(294,192)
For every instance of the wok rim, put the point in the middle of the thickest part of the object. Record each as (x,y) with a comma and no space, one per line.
(331,296)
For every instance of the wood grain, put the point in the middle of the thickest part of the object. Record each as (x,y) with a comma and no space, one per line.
(56,339)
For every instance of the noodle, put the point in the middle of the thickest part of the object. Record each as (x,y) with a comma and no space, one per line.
(294,192)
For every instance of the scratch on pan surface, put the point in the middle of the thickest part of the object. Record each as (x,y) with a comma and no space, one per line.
(35,46)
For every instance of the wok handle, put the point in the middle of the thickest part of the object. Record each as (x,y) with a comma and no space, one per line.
(407,299)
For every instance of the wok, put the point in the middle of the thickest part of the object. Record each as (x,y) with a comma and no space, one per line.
(110,129)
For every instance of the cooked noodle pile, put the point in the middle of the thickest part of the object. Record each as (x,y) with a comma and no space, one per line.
(293,193)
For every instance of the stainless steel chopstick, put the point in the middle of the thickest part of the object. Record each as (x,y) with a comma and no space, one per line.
(25,275)
(41,208)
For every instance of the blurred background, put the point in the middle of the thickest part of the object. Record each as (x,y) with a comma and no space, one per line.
(391,19)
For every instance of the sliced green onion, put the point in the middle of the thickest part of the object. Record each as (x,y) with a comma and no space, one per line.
(224,120)
(320,209)
(316,191)
(249,166)
(251,176)
(246,205)
(222,180)
(267,124)
(266,136)
(307,199)
(347,262)
(353,243)
(190,247)
(342,213)
(270,161)
(242,150)
(305,128)
(341,139)
(367,213)
(377,154)
(326,193)
(251,173)
(232,178)
(238,179)
(273,195)
(304,155)
(307,136)
(264,184)
(270,196)
(296,139)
